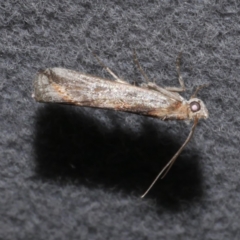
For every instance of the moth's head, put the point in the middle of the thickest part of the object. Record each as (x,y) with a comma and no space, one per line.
(197,109)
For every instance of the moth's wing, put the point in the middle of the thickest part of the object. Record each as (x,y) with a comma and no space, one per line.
(70,87)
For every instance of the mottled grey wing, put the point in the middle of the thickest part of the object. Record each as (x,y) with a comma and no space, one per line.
(66,86)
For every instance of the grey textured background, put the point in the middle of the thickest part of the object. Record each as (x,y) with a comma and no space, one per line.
(77,173)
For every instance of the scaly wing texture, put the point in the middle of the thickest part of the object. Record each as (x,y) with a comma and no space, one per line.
(70,87)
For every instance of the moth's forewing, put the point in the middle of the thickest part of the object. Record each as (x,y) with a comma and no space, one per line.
(70,87)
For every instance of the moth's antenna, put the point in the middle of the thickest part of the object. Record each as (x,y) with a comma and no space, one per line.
(165,170)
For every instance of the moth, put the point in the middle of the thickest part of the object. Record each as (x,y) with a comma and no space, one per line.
(59,85)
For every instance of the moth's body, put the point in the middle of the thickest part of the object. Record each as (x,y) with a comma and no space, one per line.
(58,85)
(70,87)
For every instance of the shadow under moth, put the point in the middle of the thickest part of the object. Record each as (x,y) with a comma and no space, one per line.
(59,85)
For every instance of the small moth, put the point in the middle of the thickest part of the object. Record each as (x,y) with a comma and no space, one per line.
(59,85)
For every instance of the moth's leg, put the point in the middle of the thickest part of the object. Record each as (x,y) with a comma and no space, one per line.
(135,59)
(155,87)
(117,79)
(198,89)
(151,85)
(182,87)
(148,84)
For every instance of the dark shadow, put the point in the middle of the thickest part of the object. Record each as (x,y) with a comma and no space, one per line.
(73,146)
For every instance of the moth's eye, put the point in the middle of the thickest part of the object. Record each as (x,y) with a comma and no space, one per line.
(195,106)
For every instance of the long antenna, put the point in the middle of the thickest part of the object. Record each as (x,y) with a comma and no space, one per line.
(167,167)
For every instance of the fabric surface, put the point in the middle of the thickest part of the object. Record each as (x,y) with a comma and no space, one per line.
(78,173)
